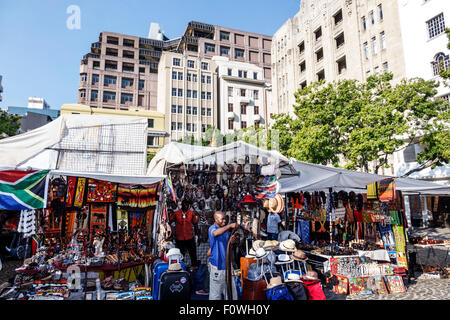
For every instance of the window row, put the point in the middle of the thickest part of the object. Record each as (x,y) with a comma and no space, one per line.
(374,45)
(243,124)
(376,70)
(115,53)
(111,96)
(243,93)
(190,63)
(190,127)
(243,108)
(239,39)
(191,94)
(371,18)
(112,80)
(190,77)
(191,110)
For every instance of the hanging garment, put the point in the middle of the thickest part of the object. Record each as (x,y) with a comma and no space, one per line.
(303,231)
(27,223)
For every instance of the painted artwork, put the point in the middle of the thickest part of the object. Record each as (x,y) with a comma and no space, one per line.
(359,285)
(79,193)
(342,286)
(137,196)
(377,285)
(395,284)
(101,191)
(71,187)
(98,217)
(70,222)
(122,220)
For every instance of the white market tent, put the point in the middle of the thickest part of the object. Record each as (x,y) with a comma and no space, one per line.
(81,143)
(315,177)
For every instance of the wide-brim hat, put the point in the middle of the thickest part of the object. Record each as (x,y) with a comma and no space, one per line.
(288,245)
(248,200)
(293,277)
(311,275)
(174,254)
(260,253)
(251,253)
(276,204)
(270,244)
(257,244)
(174,267)
(274,282)
(283,259)
(299,255)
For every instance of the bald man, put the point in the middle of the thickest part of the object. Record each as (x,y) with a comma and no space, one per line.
(219,233)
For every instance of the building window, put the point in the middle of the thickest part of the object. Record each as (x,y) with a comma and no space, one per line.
(436,25)
(244,124)
(176,62)
(83,77)
(255,76)
(319,54)
(141,84)
(173,126)
(112,40)
(194,77)
(385,67)
(318,33)
(230,107)
(374,45)
(179,126)
(229,71)
(224,51)
(191,64)
(194,111)
(341,65)
(94,95)
(174,92)
(203,95)
(188,110)
(128,54)
(340,40)
(208,79)
(376,70)
(321,75)
(338,17)
(180,109)
(208,95)
(188,93)
(180,92)
(188,127)
(95,78)
(174,108)
(303,85)
(256,110)
(203,78)
(243,109)
(151,123)
(109,96)
(109,80)
(142,70)
(188,77)
(174,75)
(238,53)
(203,127)
(301,47)
(366,50)
(180,76)
(224,36)
(194,127)
(255,95)
(383,40)
(441,61)
(204,66)
(230,91)
(363,20)
(230,124)
(127,67)
(210,48)
(242,92)
(208,112)
(194,94)
(152,141)
(83,93)
(303,66)
(127,82)
(125,97)
(203,111)
(380,11)
(372,17)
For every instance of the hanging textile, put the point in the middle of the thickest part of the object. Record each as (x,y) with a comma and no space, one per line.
(79,193)
(372,189)
(137,196)
(27,223)
(386,190)
(71,188)
(101,191)
(303,231)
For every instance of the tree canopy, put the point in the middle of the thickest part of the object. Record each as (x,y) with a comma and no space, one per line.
(9,124)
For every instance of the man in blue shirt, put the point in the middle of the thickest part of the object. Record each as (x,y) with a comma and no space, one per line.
(218,239)
(273,220)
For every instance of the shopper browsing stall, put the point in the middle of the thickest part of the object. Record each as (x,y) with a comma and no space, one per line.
(219,233)
(273,221)
(184,231)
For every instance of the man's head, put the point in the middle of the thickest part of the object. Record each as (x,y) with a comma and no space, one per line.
(185,205)
(219,218)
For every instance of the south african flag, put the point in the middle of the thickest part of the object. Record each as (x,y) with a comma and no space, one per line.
(23,190)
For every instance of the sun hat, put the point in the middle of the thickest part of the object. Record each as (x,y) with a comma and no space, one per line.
(257,244)
(270,244)
(292,277)
(251,253)
(288,245)
(274,282)
(267,170)
(175,267)
(299,255)
(283,259)
(248,199)
(261,253)
(311,275)
(175,254)
(276,204)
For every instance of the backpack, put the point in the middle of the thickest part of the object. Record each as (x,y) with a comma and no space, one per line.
(278,293)
(314,290)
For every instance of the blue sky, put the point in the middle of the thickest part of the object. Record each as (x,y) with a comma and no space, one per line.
(40,56)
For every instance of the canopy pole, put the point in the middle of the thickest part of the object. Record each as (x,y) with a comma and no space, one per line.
(330,190)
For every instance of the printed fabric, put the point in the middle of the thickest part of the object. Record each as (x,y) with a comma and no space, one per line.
(27,223)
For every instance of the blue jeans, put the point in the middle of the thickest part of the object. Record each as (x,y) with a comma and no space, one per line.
(272,236)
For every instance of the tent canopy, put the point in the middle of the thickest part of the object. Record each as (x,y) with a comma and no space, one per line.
(136,180)
(177,153)
(315,177)
(85,143)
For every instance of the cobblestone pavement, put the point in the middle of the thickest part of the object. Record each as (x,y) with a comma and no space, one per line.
(8,270)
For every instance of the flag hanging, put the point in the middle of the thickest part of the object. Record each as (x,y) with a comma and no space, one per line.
(170,187)
(23,190)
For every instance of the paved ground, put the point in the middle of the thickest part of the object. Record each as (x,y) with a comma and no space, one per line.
(8,270)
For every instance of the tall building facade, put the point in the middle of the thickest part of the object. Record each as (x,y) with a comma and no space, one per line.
(187,89)
(241,88)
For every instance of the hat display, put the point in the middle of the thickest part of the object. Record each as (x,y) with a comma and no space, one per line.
(299,255)
(175,267)
(292,277)
(248,199)
(257,244)
(283,259)
(276,204)
(274,281)
(288,245)
(261,253)
(311,275)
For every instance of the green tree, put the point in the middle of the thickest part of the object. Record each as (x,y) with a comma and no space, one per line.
(362,123)
(9,124)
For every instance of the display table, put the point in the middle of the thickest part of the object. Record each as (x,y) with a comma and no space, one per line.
(323,261)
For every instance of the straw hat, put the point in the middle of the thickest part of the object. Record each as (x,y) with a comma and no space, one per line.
(175,267)
(283,259)
(274,281)
(288,245)
(261,253)
(311,275)
(257,244)
(299,255)
(276,204)
(293,277)
(270,244)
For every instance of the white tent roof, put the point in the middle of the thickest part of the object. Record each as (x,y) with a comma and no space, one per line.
(315,177)
(88,143)
(109,177)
